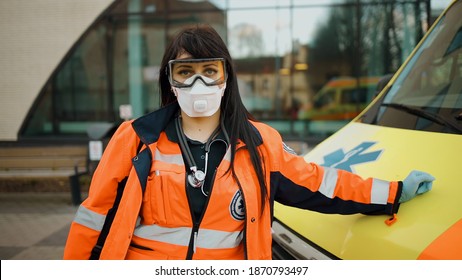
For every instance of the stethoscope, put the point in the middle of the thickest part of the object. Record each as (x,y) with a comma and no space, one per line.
(196,177)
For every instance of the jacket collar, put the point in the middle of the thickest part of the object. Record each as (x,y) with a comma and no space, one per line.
(149,127)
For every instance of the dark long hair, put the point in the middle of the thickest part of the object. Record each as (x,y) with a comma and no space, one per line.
(202,41)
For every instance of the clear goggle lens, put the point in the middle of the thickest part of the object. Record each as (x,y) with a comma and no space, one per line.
(211,71)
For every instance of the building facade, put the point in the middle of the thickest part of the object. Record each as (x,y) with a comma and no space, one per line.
(67,65)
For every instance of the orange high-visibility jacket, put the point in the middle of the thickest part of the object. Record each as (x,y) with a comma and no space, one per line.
(157,224)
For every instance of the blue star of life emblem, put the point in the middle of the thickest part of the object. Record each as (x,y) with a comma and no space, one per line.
(341,160)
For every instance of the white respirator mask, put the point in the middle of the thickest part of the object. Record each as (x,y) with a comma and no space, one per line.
(199,100)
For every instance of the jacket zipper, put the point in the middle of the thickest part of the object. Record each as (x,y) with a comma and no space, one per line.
(196,226)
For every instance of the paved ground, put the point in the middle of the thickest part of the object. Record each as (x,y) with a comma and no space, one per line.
(34,226)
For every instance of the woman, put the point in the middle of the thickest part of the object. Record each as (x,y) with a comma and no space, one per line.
(205,181)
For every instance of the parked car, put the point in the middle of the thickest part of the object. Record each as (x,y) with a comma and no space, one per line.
(414,123)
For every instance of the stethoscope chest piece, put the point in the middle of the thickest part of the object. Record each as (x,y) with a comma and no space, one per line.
(196,178)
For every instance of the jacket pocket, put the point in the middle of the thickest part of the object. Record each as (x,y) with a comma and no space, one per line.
(162,191)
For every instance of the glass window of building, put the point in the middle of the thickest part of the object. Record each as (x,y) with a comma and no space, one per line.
(288,54)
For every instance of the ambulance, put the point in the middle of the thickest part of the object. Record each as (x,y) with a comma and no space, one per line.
(342,98)
(415,123)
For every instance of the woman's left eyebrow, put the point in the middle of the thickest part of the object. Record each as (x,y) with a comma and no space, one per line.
(210,64)
(184,66)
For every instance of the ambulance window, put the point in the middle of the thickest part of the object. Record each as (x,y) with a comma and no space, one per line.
(427,95)
(354,96)
(456,43)
(324,99)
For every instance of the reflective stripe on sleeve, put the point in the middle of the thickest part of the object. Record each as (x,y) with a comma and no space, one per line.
(209,239)
(89,218)
(380,191)
(329,181)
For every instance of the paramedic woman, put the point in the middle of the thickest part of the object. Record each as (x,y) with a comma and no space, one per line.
(207,188)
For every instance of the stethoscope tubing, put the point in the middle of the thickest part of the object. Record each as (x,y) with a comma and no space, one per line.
(195,181)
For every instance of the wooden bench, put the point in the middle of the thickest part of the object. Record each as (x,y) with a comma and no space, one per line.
(47,161)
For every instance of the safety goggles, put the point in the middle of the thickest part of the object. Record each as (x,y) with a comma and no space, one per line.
(185,72)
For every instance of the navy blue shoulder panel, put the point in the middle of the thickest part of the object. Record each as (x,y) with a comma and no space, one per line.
(142,164)
(149,127)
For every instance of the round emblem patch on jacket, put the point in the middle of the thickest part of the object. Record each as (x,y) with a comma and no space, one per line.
(236,208)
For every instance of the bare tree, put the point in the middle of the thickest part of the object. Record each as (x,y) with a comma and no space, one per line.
(246,40)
